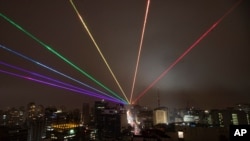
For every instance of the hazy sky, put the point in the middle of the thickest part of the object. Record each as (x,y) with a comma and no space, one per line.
(214,74)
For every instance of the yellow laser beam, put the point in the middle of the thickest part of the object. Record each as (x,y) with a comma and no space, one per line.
(97,47)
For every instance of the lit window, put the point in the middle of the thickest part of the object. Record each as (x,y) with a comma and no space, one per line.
(235,119)
(180,134)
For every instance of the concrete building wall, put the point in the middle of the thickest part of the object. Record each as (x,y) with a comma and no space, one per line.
(202,134)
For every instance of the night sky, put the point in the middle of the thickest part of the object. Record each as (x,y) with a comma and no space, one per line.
(215,74)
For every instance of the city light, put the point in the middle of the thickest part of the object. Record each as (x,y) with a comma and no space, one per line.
(180,134)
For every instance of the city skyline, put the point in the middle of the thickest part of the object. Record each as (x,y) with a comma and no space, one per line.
(213,74)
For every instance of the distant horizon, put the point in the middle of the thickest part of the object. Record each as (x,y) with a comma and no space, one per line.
(67,107)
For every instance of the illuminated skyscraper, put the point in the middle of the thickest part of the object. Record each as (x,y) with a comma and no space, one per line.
(160,116)
(35,122)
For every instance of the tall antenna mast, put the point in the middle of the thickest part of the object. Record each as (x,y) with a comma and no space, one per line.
(158,97)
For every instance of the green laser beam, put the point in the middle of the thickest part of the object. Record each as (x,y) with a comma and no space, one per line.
(59,55)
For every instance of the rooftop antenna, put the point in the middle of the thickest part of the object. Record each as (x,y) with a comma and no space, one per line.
(158,97)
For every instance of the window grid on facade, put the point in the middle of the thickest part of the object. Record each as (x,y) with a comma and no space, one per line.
(235,119)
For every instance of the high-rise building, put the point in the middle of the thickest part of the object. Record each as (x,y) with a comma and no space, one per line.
(146,119)
(226,117)
(107,120)
(85,113)
(31,110)
(100,106)
(35,121)
(110,123)
(160,116)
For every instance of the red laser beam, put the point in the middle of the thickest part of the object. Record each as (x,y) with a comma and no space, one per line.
(139,53)
(187,51)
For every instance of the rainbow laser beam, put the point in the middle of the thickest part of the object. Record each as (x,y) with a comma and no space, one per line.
(51,69)
(187,51)
(97,47)
(58,55)
(58,86)
(53,80)
(139,52)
